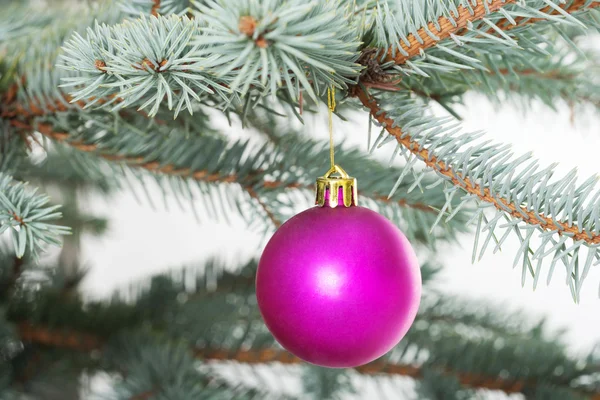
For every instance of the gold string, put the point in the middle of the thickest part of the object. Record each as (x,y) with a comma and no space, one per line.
(331,107)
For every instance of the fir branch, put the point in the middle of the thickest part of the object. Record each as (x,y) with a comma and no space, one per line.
(17,20)
(276,222)
(17,270)
(302,45)
(84,342)
(429,36)
(26,213)
(374,368)
(523,79)
(11,269)
(13,152)
(474,50)
(47,130)
(146,61)
(174,374)
(34,53)
(138,162)
(144,395)
(446,311)
(489,174)
(559,82)
(537,74)
(570,7)
(142,63)
(474,188)
(61,338)
(34,108)
(268,177)
(14,109)
(457,21)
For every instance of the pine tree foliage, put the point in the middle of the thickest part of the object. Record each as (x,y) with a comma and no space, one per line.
(560,79)
(492,176)
(25,214)
(265,40)
(150,63)
(129,94)
(173,331)
(264,172)
(242,47)
(559,68)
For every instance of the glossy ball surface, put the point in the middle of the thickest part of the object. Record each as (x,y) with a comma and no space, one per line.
(338,287)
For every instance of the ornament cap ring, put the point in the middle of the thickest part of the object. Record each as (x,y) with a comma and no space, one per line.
(335,191)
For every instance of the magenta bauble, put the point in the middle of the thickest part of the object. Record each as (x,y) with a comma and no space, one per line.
(338,287)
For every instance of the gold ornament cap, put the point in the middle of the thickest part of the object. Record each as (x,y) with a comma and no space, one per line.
(331,187)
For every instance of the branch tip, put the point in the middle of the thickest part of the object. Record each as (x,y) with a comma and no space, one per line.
(148,64)
(100,65)
(247,26)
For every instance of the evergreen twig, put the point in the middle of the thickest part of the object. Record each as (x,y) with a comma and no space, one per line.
(423,40)
(575,6)
(473,188)
(21,116)
(85,342)
(202,175)
(276,222)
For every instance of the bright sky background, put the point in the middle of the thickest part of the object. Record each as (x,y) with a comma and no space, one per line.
(142,241)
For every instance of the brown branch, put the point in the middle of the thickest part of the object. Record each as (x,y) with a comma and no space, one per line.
(147,395)
(471,187)
(7,287)
(203,175)
(17,269)
(84,342)
(17,114)
(152,166)
(423,41)
(17,218)
(62,338)
(276,222)
(155,8)
(35,108)
(552,75)
(472,380)
(575,6)
(374,368)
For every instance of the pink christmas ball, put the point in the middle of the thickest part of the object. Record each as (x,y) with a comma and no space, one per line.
(338,287)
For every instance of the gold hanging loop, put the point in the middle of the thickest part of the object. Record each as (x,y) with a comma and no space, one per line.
(336,187)
(331,106)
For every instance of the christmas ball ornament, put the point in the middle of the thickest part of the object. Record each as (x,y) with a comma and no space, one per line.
(338,285)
